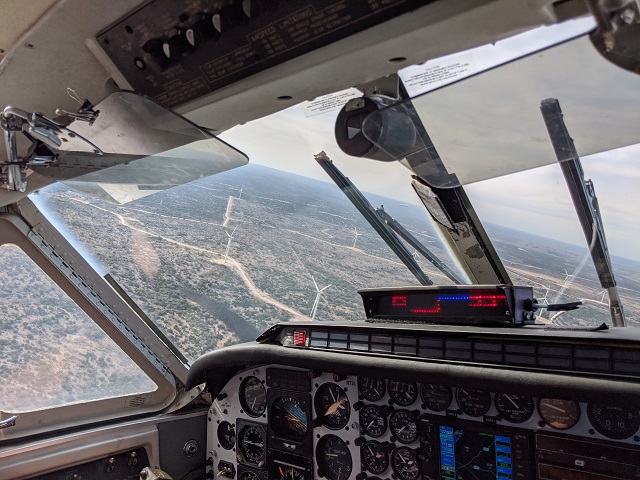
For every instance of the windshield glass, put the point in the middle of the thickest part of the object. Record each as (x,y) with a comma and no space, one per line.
(218,260)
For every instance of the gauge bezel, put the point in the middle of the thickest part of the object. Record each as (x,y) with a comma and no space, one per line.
(321,459)
(409,417)
(427,401)
(393,395)
(607,431)
(510,417)
(225,445)
(363,392)
(243,397)
(318,403)
(365,464)
(243,471)
(297,445)
(395,453)
(241,453)
(545,418)
(364,429)
(469,410)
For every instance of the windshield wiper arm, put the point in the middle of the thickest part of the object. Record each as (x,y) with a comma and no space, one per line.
(369,213)
(585,202)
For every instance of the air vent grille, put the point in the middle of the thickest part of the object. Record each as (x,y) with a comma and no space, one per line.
(545,355)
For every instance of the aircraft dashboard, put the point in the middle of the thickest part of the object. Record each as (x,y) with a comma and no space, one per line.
(389,419)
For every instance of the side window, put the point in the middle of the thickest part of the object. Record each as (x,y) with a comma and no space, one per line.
(52,353)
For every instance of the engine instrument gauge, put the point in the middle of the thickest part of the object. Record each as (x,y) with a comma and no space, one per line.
(332,406)
(226,435)
(253,396)
(287,472)
(288,419)
(515,408)
(403,426)
(252,445)
(371,389)
(403,393)
(474,403)
(559,414)
(374,457)
(373,421)
(436,397)
(404,462)
(614,421)
(248,475)
(333,458)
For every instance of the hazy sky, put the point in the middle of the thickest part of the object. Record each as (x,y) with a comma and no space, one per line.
(535,201)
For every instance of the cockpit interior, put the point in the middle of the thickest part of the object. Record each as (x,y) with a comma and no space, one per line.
(212,263)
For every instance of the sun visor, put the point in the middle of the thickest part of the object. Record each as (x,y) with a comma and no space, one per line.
(136,147)
(489,125)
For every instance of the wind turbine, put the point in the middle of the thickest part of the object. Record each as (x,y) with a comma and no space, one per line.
(226,253)
(604,293)
(314,309)
(545,300)
(567,276)
(240,193)
(355,236)
(415,255)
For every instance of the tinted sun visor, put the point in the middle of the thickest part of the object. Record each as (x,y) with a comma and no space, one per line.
(490,124)
(136,147)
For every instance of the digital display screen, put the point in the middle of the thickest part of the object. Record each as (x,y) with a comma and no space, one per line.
(473,455)
(447,303)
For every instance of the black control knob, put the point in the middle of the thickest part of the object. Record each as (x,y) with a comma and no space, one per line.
(221,396)
(175,46)
(385,409)
(201,31)
(389,447)
(153,48)
(358,405)
(359,441)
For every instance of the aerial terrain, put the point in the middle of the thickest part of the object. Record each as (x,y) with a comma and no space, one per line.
(169,252)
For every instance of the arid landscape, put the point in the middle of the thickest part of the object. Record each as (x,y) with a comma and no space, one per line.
(168,252)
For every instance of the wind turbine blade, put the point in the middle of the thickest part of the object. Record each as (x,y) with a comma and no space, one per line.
(322,290)
(234,230)
(228,234)
(314,282)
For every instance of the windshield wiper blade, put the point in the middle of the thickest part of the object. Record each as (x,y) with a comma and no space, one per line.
(585,203)
(369,213)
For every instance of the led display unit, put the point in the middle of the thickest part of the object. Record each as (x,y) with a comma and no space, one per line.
(471,304)
(457,449)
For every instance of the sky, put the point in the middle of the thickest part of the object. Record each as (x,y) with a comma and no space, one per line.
(535,201)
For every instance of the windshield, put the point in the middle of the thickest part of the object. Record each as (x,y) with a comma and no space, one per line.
(217,261)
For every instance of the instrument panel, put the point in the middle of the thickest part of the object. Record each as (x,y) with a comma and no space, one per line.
(280,422)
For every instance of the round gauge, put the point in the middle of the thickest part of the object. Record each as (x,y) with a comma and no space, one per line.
(474,403)
(436,397)
(373,421)
(288,419)
(371,389)
(284,472)
(226,435)
(332,405)
(404,462)
(403,393)
(614,421)
(248,475)
(559,414)
(334,458)
(403,426)
(374,457)
(515,408)
(253,396)
(251,442)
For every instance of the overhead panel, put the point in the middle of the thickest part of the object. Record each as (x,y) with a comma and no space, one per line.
(178,51)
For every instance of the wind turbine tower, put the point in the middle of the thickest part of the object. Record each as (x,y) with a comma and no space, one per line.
(355,236)
(314,309)
(230,235)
